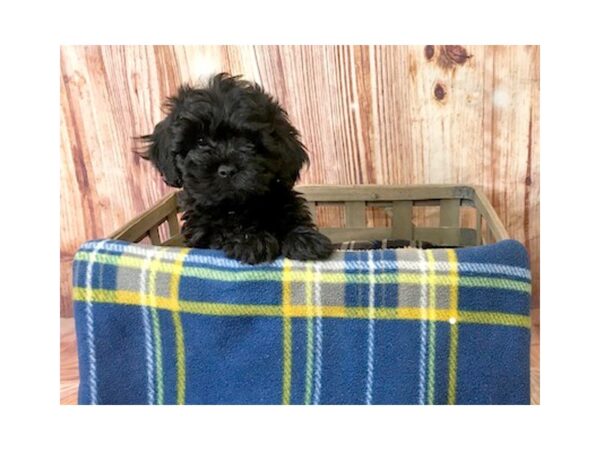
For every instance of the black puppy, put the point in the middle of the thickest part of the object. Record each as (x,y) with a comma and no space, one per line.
(232,149)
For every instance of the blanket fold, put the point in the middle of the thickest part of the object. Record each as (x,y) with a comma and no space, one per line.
(158,325)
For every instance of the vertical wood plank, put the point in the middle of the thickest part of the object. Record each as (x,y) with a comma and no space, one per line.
(449,212)
(173,222)
(450,217)
(154,236)
(355,214)
(312,209)
(402,226)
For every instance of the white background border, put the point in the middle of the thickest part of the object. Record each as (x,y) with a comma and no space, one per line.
(31,35)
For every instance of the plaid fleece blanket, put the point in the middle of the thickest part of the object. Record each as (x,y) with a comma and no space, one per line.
(159,325)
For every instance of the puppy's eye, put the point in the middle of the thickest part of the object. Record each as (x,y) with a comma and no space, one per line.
(247,148)
(202,141)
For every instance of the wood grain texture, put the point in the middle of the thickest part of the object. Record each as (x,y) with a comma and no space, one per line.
(368,114)
(69,365)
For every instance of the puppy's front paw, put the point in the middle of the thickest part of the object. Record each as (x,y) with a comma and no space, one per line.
(306,244)
(253,248)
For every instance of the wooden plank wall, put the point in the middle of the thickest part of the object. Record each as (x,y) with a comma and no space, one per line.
(368,114)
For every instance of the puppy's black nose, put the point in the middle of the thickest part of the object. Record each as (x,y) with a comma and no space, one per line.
(226,171)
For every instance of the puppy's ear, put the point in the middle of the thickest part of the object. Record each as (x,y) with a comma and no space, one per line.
(166,141)
(161,152)
(293,152)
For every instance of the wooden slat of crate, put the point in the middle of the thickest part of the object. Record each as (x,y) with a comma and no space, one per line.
(312,209)
(137,228)
(434,235)
(449,220)
(154,236)
(355,214)
(173,221)
(402,226)
(174,241)
(494,224)
(382,193)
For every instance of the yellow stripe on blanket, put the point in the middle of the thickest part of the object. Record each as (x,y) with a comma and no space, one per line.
(121,297)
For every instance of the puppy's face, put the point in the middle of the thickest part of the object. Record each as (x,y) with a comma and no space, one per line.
(226,141)
(228,163)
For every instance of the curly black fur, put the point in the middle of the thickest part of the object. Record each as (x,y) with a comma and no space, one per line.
(232,149)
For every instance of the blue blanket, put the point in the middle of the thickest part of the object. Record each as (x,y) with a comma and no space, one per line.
(159,325)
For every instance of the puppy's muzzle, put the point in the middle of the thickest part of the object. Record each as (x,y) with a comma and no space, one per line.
(226,171)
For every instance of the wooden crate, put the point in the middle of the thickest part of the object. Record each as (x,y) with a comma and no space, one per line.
(398,202)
